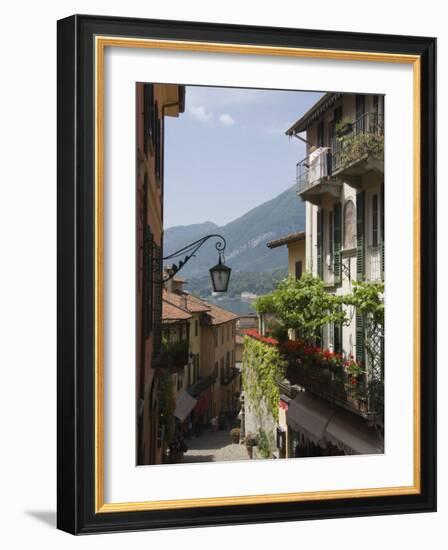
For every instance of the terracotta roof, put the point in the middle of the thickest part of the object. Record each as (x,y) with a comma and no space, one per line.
(217,315)
(324,103)
(186,301)
(172,313)
(286,239)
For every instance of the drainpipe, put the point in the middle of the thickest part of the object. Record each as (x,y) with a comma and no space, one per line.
(162,185)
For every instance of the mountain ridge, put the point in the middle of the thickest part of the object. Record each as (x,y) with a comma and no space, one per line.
(246,236)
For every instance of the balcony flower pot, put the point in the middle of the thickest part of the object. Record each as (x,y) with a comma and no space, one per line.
(235,435)
(344,128)
(250,443)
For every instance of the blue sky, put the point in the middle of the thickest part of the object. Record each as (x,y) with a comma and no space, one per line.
(229,153)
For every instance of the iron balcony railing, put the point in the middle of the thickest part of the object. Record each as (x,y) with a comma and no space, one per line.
(228,375)
(201,385)
(357,139)
(313,168)
(351,143)
(171,355)
(336,386)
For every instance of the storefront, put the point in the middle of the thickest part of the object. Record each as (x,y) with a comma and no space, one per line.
(318,428)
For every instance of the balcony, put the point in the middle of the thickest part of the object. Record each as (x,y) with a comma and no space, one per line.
(336,386)
(359,148)
(227,376)
(201,385)
(314,176)
(172,355)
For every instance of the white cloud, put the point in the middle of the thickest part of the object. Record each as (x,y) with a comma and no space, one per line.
(217,99)
(226,119)
(201,114)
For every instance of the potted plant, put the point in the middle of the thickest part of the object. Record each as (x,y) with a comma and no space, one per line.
(343,127)
(235,435)
(250,442)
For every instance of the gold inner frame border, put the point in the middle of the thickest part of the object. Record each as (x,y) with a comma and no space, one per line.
(101,42)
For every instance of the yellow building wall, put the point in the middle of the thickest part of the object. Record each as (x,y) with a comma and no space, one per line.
(216,342)
(296,253)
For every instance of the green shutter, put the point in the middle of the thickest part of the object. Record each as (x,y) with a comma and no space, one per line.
(360,336)
(360,240)
(375,220)
(320,338)
(148,287)
(157,303)
(319,238)
(337,231)
(382,231)
(338,337)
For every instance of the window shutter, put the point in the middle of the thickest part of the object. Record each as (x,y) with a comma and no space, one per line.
(157,141)
(338,337)
(320,337)
(382,232)
(337,234)
(320,134)
(157,305)
(149,280)
(360,337)
(319,238)
(148,115)
(360,244)
(375,220)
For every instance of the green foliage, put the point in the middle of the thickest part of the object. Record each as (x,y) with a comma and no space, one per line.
(176,347)
(262,368)
(246,235)
(265,443)
(356,146)
(265,304)
(303,305)
(368,299)
(278,331)
(343,126)
(167,404)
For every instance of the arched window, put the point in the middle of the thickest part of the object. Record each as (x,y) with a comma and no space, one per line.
(349,225)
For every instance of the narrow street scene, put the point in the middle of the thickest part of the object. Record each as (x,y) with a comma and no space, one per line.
(260,261)
(213,446)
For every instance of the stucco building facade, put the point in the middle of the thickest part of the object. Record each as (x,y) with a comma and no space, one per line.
(153,103)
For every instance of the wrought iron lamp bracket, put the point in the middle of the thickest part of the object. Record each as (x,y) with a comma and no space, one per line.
(190,251)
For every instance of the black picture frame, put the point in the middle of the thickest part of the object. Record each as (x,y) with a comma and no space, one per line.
(76,225)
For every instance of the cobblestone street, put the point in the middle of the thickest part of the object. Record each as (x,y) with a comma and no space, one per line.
(213,446)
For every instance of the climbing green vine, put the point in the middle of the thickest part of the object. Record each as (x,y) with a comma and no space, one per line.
(265,443)
(368,299)
(262,368)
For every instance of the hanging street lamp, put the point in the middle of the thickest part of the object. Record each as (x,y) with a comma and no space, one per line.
(219,274)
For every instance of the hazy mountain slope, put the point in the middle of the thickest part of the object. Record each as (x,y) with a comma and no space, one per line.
(246,237)
(186,234)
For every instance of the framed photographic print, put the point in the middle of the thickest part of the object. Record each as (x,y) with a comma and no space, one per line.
(246,274)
